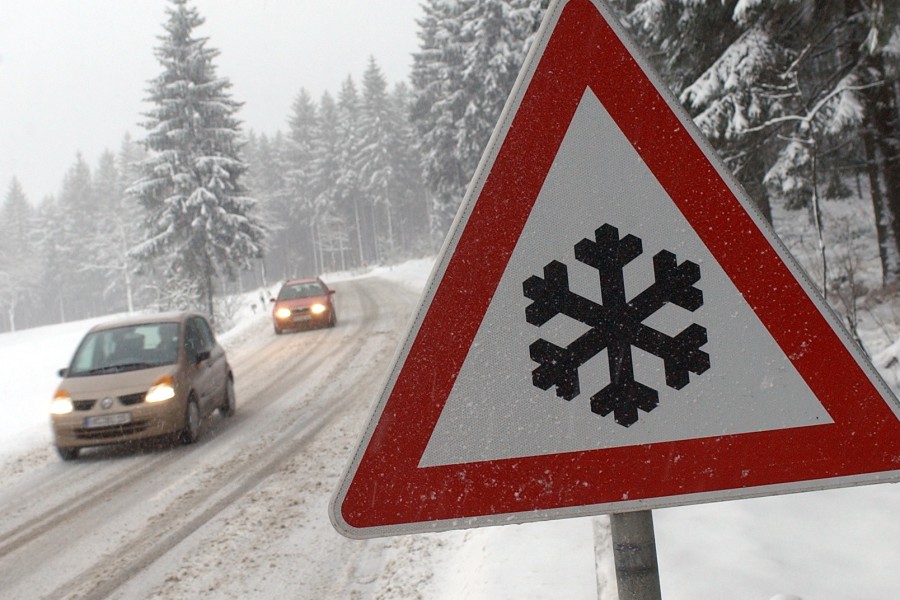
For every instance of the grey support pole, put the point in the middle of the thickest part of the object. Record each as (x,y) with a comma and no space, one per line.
(634,550)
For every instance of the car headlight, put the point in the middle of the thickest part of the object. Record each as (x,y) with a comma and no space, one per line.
(283,313)
(61,403)
(162,390)
(317,309)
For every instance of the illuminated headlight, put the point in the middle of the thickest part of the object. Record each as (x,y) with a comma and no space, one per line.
(283,313)
(317,309)
(162,390)
(61,403)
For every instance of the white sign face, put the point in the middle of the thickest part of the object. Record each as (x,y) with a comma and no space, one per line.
(611,326)
(495,407)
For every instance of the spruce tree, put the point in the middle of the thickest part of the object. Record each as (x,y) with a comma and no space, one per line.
(18,265)
(347,192)
(298,212)
(201,224)
(79,211)
(116,227)
(374,160)
(332,222)
(470,54)
(438,104)
(494,35)
(788,93)
(410,199)
(266,176)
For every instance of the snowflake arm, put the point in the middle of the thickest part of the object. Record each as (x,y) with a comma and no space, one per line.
(616,325)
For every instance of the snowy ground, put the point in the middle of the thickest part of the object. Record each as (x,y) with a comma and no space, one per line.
(829,545)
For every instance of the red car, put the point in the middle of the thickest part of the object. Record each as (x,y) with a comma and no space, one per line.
(303,303)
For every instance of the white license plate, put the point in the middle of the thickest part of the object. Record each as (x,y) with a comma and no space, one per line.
(302,318)
(108,420)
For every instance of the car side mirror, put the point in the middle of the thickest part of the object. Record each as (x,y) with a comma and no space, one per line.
(331,292)
(203,355)
(271,299)
(62,372)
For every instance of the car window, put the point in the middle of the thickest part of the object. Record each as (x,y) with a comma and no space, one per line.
(193,341)
(206,334)
(87,354)
(126,348)
(301,290)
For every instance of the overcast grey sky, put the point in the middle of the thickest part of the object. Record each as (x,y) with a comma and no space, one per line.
(73,73)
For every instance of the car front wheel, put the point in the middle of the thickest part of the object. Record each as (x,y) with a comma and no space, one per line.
(191,430)
(229,402)
(68,453)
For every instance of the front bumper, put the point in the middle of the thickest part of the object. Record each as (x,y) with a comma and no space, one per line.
(145,420)
(303,320)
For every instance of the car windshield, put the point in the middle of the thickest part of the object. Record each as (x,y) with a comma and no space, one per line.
(301,290)
(126,348)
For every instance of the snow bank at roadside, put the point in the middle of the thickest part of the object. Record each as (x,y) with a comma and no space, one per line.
(830,545)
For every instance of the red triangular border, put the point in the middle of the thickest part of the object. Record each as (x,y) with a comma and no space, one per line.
(388,488)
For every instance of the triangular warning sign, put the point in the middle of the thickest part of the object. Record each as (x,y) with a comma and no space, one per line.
(611,326)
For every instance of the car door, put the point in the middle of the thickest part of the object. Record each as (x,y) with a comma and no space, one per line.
(199,365)
(216,365)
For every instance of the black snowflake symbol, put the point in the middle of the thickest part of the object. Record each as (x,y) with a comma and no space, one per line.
(616,325)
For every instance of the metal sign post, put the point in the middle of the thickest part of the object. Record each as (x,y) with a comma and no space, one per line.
(634,551)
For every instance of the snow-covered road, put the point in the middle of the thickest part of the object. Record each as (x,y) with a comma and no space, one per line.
(222,518)
(243,513)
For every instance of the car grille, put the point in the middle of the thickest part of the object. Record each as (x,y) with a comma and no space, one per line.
(129,399)
(301,311)
(101,433)
(83,404)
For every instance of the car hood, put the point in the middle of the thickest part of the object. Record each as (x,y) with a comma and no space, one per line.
(116,383)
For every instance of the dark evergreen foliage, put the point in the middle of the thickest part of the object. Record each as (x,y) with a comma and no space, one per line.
(790,94)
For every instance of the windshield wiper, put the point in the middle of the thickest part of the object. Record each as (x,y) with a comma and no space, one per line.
(121,368)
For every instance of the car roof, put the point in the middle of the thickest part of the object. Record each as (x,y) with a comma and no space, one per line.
(147,318)
(303,280)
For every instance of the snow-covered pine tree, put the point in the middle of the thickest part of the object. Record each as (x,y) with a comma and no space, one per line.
(790,93)
(265,157)
(117,225)
(333,223)
(470,54)
(18,260)
(200,222)
(374,164)
(410,200)
(106,183)
(871,55)
(438,104)
(727,77)
(838,72)
(494,35)
(52,253)
(347,185)
(298,211)
(79,213)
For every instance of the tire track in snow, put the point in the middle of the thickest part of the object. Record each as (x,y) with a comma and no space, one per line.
(116,568)
(71,507)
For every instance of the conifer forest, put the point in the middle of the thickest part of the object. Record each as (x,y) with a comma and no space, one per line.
(800,98)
